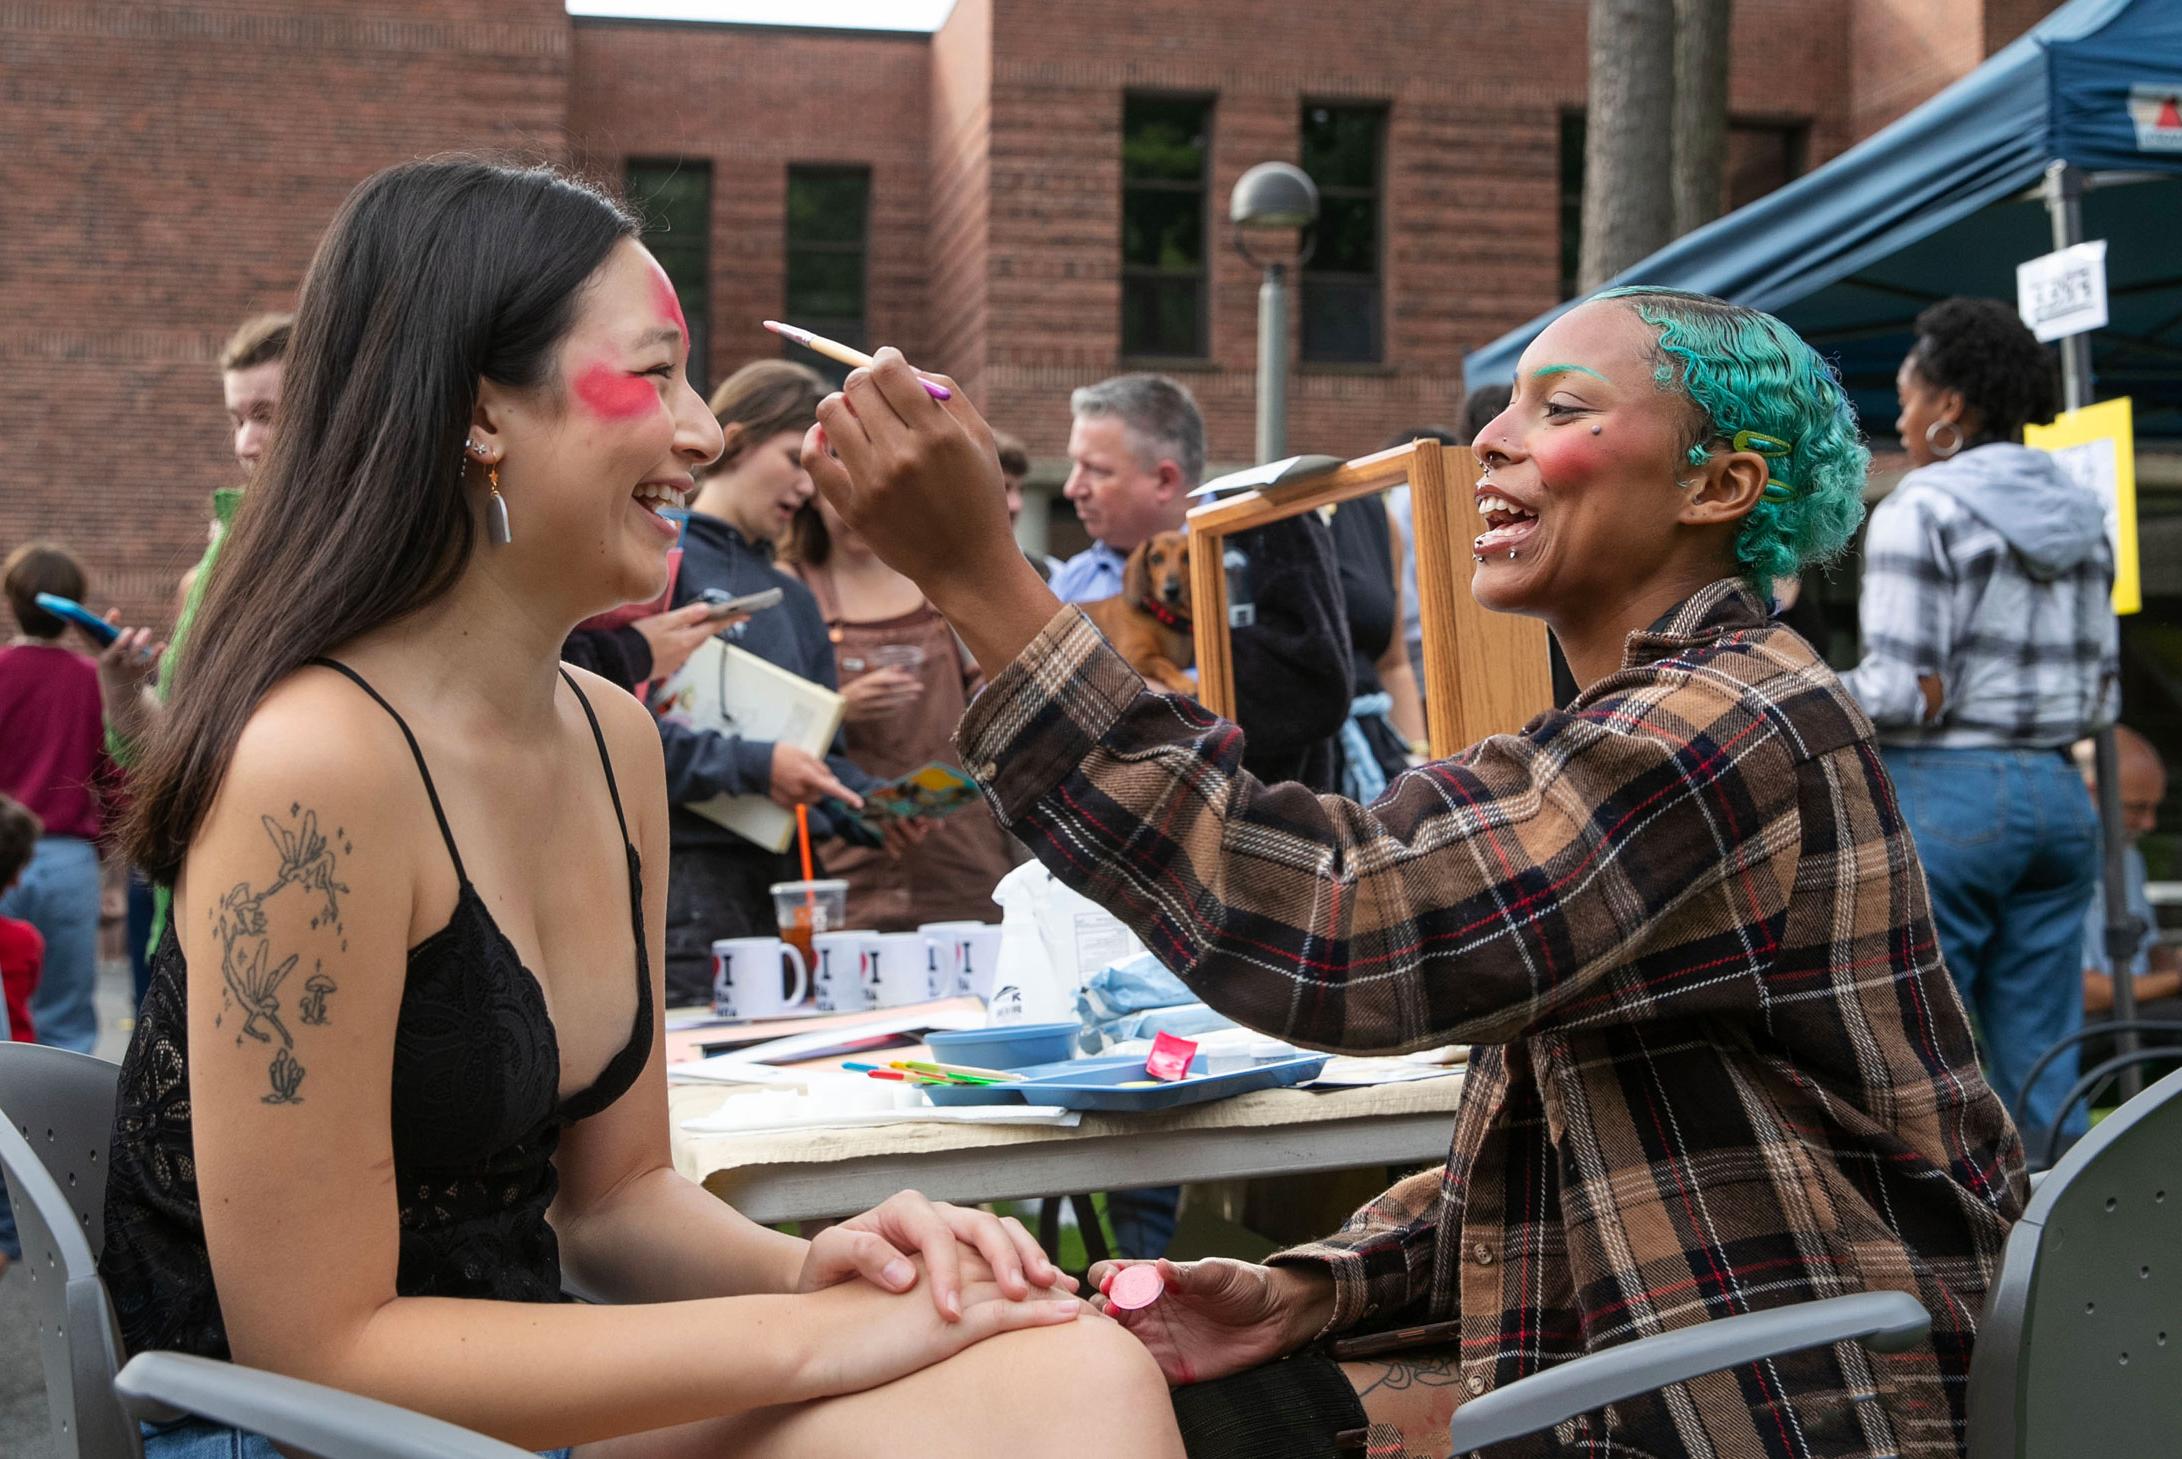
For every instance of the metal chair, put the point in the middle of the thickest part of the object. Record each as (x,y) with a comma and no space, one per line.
(56,1118)
(2080,1351)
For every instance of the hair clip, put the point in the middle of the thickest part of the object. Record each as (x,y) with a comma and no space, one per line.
(1770,447)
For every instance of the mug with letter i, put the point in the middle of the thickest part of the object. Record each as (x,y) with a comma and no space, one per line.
(898,967)
(748,980)
(837,971)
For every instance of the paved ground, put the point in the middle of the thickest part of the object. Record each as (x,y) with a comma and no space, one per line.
(22,1385)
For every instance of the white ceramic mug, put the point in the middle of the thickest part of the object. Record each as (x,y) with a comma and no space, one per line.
(965,956)
(898,968)
(747,981)
(838,974)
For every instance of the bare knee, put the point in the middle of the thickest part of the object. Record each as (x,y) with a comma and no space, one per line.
(1089,1377)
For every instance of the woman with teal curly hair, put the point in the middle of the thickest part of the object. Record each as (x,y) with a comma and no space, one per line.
(1716,1063)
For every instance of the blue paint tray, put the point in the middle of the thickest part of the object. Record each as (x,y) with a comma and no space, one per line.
(1098,1084)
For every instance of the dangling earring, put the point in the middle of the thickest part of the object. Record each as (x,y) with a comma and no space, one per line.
(496,511)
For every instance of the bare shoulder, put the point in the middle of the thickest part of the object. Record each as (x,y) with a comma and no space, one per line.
(317,769)
(632,737)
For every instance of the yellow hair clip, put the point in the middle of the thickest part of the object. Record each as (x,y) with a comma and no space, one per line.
(1768,447)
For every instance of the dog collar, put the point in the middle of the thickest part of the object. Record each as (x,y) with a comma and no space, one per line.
(1166,616)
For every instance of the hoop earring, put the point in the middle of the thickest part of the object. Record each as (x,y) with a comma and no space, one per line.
(1943,452)
(496,512)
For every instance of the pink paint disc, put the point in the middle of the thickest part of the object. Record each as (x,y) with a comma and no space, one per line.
(1136,1286)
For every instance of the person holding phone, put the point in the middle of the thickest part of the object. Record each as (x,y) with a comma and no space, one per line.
(55,763)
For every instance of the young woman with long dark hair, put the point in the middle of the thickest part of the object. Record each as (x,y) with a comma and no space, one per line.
(399,1074)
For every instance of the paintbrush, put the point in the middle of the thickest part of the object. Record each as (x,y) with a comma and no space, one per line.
(833,349)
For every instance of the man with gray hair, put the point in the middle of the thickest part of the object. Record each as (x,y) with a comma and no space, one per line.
(1136,450)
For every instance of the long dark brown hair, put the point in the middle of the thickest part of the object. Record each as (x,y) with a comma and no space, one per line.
(434,275)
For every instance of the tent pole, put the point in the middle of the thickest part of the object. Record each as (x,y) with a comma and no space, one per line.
(2064,188)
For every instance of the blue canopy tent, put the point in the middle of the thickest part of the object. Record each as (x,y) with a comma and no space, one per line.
(1943,202)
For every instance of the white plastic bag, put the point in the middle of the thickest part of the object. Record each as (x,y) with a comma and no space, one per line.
(1051,940)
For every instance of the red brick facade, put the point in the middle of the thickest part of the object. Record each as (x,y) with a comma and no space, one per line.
(171,165)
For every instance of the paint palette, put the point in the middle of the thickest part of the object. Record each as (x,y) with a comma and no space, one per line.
(1117,1083)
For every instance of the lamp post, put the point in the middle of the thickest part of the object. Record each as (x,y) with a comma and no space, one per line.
(1273,197)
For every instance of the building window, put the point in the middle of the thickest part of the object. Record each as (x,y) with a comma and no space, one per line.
(1166,155)
(1761,156)
(674,198)
(829,232)
(1342,147)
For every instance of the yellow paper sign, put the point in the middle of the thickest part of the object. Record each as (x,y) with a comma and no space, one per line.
(2097,447)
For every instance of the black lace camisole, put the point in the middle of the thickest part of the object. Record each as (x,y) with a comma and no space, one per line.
(477,1115)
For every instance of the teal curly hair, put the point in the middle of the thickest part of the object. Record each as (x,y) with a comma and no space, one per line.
(1755,385)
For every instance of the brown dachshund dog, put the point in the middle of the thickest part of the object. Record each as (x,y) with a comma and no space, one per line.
(1149,622)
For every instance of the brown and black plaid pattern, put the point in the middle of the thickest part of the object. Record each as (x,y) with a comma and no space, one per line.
(1720,1064)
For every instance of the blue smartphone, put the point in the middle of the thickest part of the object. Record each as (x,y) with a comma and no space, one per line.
(79,615)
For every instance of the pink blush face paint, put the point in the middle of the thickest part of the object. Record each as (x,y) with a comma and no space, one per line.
(616,395)
(670,303)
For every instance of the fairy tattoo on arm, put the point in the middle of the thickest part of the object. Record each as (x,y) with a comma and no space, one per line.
(250,970)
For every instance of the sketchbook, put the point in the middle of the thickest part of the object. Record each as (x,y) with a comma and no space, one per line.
(734,692)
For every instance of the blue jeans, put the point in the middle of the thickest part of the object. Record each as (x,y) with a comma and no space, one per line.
(2009,842)
(195,1438)
(59,895)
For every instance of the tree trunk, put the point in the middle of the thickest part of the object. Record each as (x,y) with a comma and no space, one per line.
(1628,201)
(1700,111)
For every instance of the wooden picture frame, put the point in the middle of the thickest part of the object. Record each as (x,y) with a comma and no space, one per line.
(1485,673)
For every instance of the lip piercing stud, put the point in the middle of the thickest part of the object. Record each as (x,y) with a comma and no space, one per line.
(1511,554)
(1477,557)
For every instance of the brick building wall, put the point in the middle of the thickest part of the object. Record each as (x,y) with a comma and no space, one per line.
(172,165)
(1474,92)
(169,170)
(751,101)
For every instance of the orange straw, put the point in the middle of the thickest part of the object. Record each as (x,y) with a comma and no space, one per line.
(803,842)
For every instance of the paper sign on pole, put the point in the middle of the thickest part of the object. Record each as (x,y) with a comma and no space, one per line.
(2063,293)
(2096,446)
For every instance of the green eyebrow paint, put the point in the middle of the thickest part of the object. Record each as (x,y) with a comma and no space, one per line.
(1544,370)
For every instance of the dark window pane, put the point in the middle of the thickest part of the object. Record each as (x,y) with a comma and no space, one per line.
(830,284)
(1340,321)
(673,198)
(1161,316)
(1572,133)
(1348,237)
(827,205)
(1162,229)
(829,210)
(1163,138)
(1341,145)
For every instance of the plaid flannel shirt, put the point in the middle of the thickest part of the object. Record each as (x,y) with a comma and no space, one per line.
(1718,1065)
(2025,661)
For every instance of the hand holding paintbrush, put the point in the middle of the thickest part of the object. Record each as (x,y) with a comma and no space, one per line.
(918,477)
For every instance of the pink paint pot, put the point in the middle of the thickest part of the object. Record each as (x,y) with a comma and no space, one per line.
(1136,1286)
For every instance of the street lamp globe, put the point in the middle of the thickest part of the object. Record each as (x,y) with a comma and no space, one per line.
(1273,195)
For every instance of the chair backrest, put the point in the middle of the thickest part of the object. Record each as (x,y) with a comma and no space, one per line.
(2080,1351)
(56,1118)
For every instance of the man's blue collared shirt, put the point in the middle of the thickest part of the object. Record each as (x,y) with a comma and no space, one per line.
(1090,575)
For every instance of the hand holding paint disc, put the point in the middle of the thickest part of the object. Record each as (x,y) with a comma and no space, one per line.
(1136,1286)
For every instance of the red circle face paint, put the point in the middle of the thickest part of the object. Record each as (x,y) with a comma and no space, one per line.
(615,394)
(1566,458)
(670,303)
(1136,1286)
